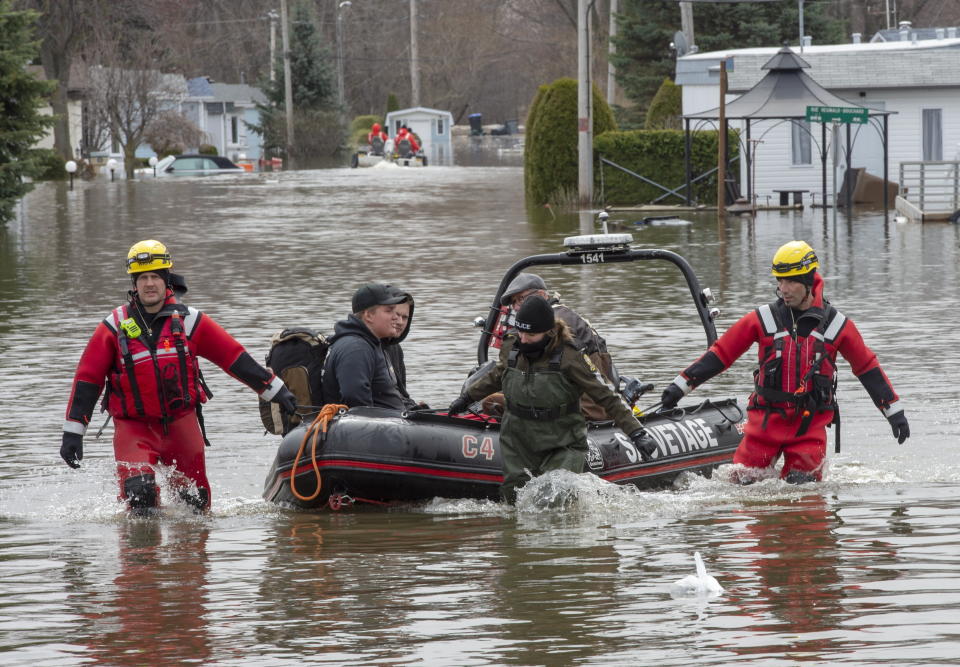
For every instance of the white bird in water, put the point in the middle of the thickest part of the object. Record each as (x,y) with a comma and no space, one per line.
(699,585)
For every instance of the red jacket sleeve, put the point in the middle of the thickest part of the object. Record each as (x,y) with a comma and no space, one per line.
(211,341)
(729,347)
(864,364)
(98,358)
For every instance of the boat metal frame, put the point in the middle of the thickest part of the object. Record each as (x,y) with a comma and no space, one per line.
(592,251)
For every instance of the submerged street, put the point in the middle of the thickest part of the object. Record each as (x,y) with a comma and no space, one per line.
(858,569)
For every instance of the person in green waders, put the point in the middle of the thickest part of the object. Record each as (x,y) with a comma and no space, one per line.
(542,375)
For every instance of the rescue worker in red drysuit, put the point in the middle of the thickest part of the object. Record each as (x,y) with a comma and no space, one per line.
(405,134)
(376,138)
(793,402)
(374,132)
(146,352)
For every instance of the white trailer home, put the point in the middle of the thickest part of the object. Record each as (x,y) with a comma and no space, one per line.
(916,80)
(433,126)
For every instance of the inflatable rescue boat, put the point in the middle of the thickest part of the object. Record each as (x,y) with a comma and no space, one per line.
(380,456)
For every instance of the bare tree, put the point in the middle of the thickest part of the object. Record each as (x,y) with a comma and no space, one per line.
(61,27)
(170,133)
(129,99)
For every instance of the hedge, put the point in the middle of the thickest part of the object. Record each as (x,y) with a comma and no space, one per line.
(360,128)
(657,155)
(550,160)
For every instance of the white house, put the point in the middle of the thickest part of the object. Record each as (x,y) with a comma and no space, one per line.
(222,111)
(431,125)
(916,79)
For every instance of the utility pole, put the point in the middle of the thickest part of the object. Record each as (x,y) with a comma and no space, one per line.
(611,50)
(686,22)
(584,117)
(340,94)
(722,145)
(800,11)
(273,44)
(414,65)
(287,82)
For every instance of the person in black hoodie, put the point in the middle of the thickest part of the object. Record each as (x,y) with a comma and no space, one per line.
(358,369)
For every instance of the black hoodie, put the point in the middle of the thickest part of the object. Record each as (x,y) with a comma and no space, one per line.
(358,370)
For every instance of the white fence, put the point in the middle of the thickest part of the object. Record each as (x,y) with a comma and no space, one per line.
(929,190)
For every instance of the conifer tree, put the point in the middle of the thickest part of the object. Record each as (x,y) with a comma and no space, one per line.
(646,27)
(316,123)
(21,123)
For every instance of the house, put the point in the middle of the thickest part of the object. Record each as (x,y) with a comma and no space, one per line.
(916,80)
(224,111)
(431,125)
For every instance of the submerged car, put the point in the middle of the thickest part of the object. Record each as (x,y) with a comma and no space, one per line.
(192,165)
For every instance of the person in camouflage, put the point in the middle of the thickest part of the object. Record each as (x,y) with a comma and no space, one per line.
(543,374)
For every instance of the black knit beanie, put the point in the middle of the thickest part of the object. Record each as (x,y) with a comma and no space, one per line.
(535,315)
(163,273)
(803,279)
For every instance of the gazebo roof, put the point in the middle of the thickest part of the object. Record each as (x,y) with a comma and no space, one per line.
(784,92)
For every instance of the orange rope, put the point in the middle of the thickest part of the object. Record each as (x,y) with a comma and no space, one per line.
(317,428)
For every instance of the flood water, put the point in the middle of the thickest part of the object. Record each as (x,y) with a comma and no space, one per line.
(860,569)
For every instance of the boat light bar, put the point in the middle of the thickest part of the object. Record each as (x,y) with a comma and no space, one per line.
(592,242)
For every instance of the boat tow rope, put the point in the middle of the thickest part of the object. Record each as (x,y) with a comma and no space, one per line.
(316,431)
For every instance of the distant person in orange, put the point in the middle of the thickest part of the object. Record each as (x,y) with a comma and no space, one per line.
(376,137)
(407,145)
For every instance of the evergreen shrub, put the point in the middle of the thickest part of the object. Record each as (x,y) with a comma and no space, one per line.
(666,109)
(392,103)
(551,164)
(207,149)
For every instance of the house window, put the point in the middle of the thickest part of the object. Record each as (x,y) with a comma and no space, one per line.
(439,126)
(800,142)
(932,134)
(234,130)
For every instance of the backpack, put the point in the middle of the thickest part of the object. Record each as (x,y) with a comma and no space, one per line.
(296,355)
(376,145)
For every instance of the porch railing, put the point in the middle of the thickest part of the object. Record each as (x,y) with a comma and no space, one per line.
(931,186)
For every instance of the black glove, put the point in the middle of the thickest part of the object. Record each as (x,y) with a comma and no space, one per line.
(459,405)
(286,400)
(898,422)
(72,449)
(644,444)
(671,396)
(421,406)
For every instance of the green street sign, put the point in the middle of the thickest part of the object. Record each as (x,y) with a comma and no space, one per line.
(857,115)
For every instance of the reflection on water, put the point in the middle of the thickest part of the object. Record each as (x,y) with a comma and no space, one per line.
(859,569)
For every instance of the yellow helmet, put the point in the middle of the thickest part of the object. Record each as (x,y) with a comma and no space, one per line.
(148,256)
(796,258)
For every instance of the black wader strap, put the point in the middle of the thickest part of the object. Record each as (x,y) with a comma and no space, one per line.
(203,429)
(836,420)
(176,328)
(203,384)
(806,416)
(131,375)
(164,417)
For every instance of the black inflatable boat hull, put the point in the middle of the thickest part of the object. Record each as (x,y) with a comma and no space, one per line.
(386,456)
